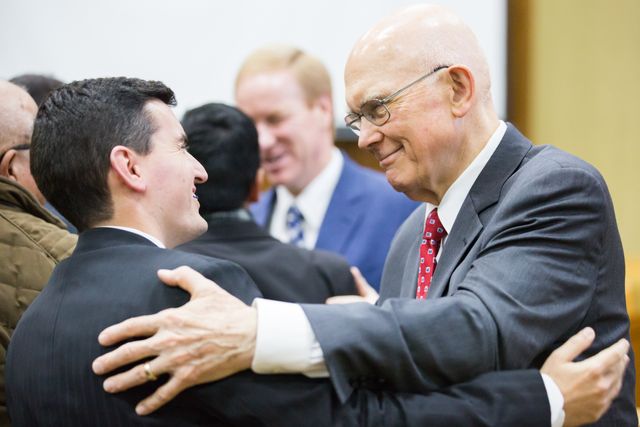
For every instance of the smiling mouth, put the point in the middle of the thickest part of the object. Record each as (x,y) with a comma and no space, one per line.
(274,159)
(387,159)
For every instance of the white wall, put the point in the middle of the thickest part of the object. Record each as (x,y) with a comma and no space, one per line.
(196,46)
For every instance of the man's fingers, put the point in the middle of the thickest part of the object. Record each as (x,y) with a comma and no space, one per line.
(345,299)
(141,326)
(611,358)
(574,346)
(131,378)
(123,355)
(160,397)
(363,287)
(187,279)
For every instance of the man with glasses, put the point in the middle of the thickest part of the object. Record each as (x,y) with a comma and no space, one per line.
(32,240)
(321,199)
(515,248)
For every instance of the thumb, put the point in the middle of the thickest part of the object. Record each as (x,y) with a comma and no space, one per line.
(574,346)
(188,279)
(363,287)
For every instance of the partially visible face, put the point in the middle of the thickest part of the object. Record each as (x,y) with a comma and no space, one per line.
(172,174)
(24,116)
(416,148)
(294,136)
(22,171)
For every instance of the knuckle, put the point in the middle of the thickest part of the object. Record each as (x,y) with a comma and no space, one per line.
(160,396)
(188,374)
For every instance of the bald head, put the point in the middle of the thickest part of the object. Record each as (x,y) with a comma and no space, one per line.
(419,90)
(418,39)
(17,114)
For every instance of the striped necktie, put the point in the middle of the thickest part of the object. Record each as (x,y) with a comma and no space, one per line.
(295,221)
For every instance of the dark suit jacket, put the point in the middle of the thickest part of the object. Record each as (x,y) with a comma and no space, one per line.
(111,276)
(282,272)
(533,256)
(359,223)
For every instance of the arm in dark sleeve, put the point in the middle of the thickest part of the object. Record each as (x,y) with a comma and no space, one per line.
(531,283)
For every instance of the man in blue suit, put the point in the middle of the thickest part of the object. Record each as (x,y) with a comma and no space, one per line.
(321,199)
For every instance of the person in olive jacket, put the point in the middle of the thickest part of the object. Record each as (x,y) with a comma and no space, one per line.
(32,240)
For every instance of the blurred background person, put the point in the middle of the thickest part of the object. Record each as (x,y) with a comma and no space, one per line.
(39,87)
(321,198)
(225,142)
(32,240)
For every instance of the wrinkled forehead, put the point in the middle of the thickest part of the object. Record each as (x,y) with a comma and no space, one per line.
(377,72)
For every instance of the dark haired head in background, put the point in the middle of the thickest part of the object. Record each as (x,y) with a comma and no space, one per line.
(225,141)
(76,129)
(39,86)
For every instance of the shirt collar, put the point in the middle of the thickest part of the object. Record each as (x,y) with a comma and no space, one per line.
(456,194)
(313,201)
(152,239)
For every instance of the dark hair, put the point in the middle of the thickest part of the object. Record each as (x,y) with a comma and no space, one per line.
(225,141)
(38,85)
(75,130)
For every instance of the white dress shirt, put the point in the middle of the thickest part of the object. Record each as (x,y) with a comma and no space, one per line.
(285,342)
(312,202)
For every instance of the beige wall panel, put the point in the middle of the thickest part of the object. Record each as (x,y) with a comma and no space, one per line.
(584,93)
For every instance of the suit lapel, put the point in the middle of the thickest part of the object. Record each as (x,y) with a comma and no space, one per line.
(343,212)
(410,274)
(484,193)
(462,236)
(262,210)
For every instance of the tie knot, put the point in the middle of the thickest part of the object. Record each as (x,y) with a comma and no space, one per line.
(433,229)
(294,216)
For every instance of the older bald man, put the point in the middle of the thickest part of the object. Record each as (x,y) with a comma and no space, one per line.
(515,248)
(32,240)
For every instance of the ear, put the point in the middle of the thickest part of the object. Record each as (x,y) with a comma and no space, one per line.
(464,89)
(6,166)
(324,106)
(254,192)
(125,164)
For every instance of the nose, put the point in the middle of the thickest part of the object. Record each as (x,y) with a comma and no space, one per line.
(369,135)
(200,175)
(266,138)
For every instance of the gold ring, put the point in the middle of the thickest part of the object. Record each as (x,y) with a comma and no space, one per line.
(149,373)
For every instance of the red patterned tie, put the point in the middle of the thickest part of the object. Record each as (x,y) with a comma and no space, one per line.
(434,232)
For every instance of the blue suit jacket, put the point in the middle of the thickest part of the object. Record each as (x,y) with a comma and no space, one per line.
(361,220)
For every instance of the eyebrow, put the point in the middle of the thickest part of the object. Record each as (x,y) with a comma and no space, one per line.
(367,99)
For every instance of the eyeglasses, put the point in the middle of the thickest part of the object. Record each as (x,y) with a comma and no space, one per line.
(376,110)
(15,147)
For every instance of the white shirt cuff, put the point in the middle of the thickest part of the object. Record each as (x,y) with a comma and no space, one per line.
(556,401)
(285,342)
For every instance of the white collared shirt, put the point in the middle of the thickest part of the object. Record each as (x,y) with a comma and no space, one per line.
(456,194)
(285,341)
(312,202)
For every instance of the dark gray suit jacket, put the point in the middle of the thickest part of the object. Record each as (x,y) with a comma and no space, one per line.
(111,276)
(282,272)
(533,256)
